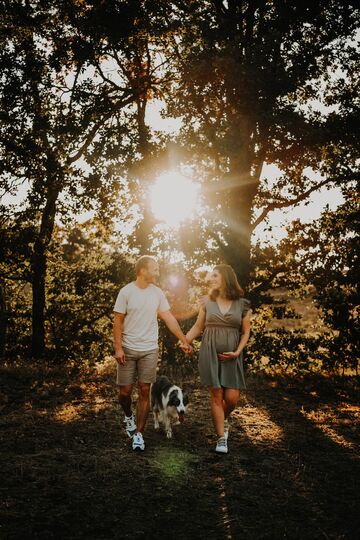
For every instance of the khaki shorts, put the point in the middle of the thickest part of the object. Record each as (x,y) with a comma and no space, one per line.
(140,365)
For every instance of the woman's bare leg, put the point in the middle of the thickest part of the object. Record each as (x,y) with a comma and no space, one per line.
(230,399)
(217,411)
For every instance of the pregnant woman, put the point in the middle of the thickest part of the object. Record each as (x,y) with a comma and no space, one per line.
(224,319)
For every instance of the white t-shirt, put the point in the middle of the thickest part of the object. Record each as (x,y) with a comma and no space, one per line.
(140,306)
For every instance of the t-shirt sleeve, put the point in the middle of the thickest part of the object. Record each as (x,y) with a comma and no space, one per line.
(164,304)
(121,302)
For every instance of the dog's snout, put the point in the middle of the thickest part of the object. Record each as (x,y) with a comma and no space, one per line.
(181,414)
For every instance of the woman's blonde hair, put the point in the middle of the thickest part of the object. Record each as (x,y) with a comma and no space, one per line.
(233,291)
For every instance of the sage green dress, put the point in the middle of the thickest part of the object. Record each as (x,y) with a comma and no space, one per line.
(221,334)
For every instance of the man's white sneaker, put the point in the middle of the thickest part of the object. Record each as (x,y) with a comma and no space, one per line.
(221,446)
(130,425)
(138,442)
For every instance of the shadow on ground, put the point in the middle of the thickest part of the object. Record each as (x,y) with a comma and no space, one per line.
(68,471)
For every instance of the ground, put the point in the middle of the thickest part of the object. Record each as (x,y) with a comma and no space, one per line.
(68,471)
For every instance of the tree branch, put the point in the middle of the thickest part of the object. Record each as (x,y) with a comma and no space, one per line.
(106,79)
(120,105)
(299,198)
(266,283)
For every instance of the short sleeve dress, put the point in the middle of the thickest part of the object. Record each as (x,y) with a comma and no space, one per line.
(221,334)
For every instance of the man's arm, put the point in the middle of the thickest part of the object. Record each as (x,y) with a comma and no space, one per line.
(118,329)
(174,327)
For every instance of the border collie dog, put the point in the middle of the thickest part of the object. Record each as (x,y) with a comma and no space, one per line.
(168,402)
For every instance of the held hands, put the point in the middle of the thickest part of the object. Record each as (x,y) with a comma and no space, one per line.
(186,347)
(222,357)
(203,301)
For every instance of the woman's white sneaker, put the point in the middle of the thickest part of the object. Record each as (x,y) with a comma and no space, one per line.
(138,442)
(221,446)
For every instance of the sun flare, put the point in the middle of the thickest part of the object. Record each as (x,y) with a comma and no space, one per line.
(174,198)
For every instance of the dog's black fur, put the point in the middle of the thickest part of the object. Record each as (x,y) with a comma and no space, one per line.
(168,402)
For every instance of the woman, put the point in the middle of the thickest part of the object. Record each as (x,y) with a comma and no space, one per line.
(225,316)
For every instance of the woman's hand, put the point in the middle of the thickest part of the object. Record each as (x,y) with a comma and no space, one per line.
(186,347)
(228,355)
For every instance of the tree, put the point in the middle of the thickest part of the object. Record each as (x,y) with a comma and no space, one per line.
(86,270)
(61,110)
(325,254)
(245,75)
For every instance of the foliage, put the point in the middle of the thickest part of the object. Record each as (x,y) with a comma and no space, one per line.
(326,253)
(84,279)
(67,127)
(284,349)
(246,78)
(82,284)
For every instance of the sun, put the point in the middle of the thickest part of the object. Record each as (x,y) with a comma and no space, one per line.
(174,198)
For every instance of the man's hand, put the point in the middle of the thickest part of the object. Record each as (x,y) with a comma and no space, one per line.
(228,356)
(186,347)
(203,300)
(120,357)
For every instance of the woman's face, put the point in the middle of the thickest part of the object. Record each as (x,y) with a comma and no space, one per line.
(216,279)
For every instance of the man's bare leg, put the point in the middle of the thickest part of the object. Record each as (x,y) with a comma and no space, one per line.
(143,406)
(125,398)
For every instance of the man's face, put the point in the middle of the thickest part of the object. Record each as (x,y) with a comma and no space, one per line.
(151,272)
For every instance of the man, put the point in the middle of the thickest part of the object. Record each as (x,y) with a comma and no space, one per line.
(136,310)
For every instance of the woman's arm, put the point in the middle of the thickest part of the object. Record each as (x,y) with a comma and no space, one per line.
(245,334)
(198,327)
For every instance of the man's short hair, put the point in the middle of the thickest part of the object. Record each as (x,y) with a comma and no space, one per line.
(143,262)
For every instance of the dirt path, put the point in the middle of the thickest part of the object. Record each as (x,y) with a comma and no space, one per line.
(67,470)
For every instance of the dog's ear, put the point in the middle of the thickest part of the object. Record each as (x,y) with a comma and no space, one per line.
(174,399)
(185,398)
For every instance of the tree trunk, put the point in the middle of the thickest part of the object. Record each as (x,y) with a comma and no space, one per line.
(239,204)
(237,251)
(39,275)
(143,233)
(38,301)
(3,320)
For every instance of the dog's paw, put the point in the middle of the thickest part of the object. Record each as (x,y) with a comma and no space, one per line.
(156,425)
(169,434)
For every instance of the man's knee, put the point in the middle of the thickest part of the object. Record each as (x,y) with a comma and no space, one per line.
(125,391)
(144,390)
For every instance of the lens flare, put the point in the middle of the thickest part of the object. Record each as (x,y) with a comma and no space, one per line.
(174,198)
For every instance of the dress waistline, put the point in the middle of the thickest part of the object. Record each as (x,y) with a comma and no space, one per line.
(215,325)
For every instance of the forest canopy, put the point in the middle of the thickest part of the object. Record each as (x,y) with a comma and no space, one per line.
(249,84)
